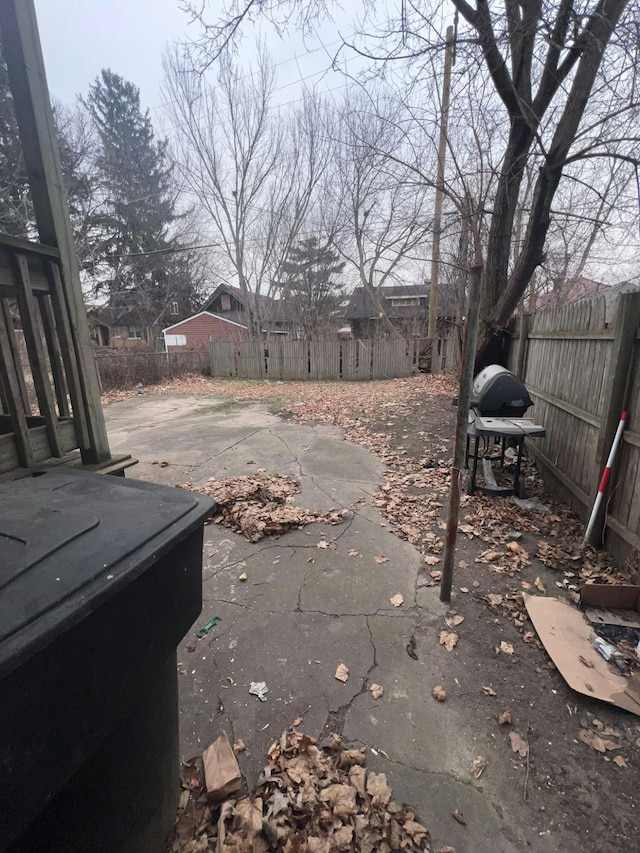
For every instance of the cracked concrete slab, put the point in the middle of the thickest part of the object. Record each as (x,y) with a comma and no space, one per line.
(303,610)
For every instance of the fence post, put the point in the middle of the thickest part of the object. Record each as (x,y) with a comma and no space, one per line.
(521,355)
(615,385)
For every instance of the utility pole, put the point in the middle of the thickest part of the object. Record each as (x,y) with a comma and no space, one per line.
(437,215)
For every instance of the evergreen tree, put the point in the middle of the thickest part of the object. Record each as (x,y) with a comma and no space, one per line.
(308,282)
(138,202)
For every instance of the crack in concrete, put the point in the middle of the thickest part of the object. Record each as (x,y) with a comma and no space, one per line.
(336,719)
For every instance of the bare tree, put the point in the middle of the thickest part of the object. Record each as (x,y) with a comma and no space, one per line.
(252,169)
(383,211)
(564,72)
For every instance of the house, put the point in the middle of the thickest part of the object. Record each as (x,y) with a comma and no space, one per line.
(197,331)
(407,306)
(276,315)
(582,289)
(129,327)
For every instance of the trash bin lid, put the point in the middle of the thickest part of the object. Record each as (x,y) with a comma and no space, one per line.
(71,539)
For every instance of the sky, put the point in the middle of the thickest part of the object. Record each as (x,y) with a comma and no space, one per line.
(129,36)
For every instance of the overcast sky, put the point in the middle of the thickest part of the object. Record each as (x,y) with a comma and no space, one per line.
(129,36)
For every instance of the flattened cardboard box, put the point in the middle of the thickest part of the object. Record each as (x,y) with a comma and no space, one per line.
(568,636)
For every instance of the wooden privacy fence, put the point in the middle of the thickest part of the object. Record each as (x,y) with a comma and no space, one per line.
(279,358)
(580,374)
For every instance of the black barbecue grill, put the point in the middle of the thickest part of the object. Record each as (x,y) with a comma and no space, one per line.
(499,402)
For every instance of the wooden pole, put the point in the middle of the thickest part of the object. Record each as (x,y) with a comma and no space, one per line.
(462,419)
(23,55)
(437,215)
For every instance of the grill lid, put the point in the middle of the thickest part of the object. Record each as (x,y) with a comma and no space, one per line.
(497,392)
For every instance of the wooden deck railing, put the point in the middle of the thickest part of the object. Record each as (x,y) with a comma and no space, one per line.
(43,412)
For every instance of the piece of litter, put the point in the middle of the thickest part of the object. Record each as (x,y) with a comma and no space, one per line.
(259,689)
(206,628)
(242,577)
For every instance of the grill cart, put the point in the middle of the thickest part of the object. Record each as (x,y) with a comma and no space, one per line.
(499,402)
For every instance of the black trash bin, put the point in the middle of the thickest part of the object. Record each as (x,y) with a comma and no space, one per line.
(100,579)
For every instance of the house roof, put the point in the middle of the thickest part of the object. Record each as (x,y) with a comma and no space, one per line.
(360,305)
(271,309)
(199,314)
(583,289)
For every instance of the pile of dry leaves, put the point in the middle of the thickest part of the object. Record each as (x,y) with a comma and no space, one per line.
(308,800)
(261,506)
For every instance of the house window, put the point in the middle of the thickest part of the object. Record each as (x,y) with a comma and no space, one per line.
(404,301)
(134,332)
(173,309)
(176,340)
(225,302)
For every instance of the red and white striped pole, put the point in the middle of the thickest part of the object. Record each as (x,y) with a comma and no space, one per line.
(604,480)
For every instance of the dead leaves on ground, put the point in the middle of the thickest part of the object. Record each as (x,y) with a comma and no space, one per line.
(519,744)
(308,800)
(602,739)
(262,506)
(478,766)
(439,693)
(342,673)
(448,639)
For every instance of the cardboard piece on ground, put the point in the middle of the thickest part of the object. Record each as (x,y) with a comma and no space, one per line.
(566,635)
(221,770)
(611,605)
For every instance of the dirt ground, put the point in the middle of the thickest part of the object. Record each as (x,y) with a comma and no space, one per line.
(502,551)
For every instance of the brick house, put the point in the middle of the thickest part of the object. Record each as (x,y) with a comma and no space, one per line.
(197,331)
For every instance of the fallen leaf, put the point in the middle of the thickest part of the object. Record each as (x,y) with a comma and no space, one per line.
(431,561)
(353,552)
(436,575)
(494,599)
(322,544)
(439,693)
(462,589)
(518,744)
(505,648)
(489,691)
(463,564)
(454,621)
(515,548)
(376,691)
(191,776)
(457,815)
(446,849)
(525,585)
(596,741)
(249,815)
(448,639)
(540,586)
(478,766)
(242,577)
(620,761)
(586,662)
(397,599)
(342,673)
(341,798)
(381,559)
(378,789)
(505,718)
(239,746)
